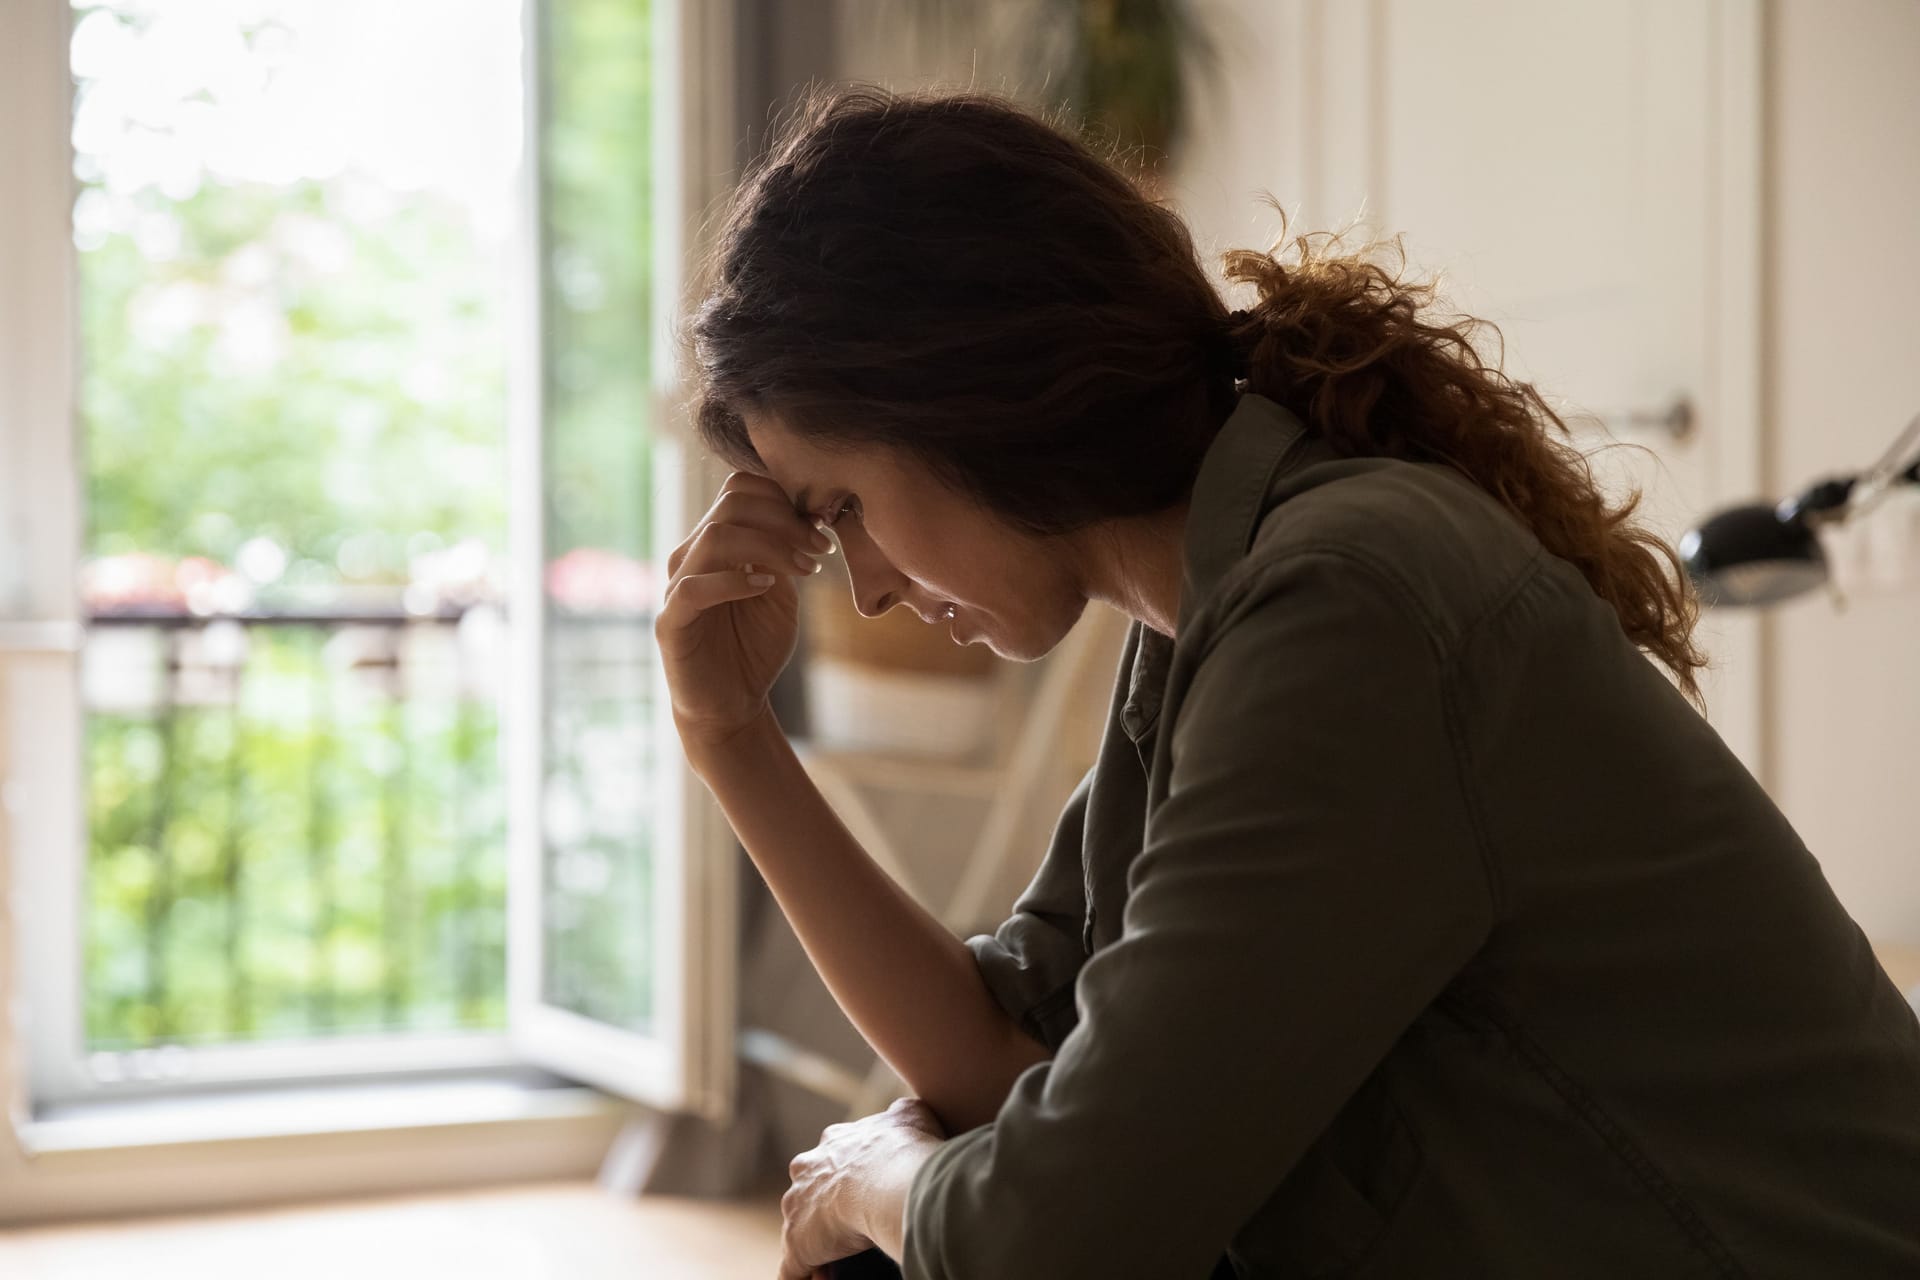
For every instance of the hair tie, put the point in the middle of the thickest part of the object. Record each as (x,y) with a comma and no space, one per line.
(1228,351)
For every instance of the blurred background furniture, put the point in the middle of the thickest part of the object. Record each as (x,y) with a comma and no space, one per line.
(1052,725)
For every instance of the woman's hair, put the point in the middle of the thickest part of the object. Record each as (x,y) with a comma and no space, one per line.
(957,277)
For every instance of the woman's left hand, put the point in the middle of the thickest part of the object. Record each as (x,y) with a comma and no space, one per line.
(850,1192)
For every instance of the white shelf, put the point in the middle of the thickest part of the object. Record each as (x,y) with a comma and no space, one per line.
(905,773)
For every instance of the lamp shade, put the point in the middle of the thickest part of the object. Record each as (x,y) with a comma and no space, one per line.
(1757,554)
(1754,555)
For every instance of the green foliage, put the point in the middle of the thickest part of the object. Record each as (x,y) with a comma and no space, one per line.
(597,232)
(244,389)
(323,365)
(598,286)
(307,854)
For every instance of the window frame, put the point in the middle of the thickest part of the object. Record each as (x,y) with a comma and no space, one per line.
(689,1064)
(39,500)
(42,829)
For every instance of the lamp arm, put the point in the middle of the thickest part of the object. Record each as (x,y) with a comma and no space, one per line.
(1901,462)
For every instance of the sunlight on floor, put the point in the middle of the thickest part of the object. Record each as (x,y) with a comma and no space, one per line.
(562,1231)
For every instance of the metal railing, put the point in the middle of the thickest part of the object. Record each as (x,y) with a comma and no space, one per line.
(297,826)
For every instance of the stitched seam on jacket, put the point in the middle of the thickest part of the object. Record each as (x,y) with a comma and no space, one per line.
(1398,1214)
(1456,728)
(1617,1140)
(1245,583)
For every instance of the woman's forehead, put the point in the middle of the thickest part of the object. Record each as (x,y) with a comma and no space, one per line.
(792,458)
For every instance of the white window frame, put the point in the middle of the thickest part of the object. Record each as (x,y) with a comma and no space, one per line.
(39,519)
(689,1065)
(42,844)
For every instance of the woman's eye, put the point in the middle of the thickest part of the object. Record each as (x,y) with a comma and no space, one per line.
(849,503)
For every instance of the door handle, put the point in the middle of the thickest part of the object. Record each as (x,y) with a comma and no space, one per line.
(1676,421)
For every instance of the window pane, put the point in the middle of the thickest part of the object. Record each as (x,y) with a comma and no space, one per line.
(292,222)
(596,283)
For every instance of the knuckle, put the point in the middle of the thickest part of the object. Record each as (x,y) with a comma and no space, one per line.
(706,545)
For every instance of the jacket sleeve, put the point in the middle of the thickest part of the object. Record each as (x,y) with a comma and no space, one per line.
(1310,882)
(1031,961)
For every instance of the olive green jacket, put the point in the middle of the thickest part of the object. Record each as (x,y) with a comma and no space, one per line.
(1411,923)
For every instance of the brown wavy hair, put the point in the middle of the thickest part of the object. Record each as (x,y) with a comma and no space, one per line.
(974,283)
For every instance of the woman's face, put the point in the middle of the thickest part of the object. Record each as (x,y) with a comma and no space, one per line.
(910,540)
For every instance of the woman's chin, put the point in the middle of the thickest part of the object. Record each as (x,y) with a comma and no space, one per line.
(987,638)
(1020,650)
(1014,644)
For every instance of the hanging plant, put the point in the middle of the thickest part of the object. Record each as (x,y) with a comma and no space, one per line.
(1120,69)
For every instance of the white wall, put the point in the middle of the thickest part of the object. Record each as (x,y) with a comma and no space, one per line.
(1843,376)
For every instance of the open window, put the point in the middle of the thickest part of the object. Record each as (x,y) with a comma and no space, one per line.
(342,456)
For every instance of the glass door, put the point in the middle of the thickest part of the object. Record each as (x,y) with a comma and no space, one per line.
(623,923)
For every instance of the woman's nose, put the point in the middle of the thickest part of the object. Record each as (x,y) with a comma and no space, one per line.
(875,582)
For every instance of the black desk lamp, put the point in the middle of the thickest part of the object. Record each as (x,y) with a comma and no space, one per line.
(1759,554)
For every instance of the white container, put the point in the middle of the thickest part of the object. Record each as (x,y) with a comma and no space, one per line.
(861,708)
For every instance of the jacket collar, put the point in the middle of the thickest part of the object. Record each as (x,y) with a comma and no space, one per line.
(1253,448)
(1228,499)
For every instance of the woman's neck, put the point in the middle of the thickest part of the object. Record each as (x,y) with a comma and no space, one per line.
(1136,565)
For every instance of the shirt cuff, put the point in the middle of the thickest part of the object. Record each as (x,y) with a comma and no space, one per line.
(924,1251)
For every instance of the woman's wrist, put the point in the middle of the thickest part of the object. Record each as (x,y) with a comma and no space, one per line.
(707,753)
(885,1205)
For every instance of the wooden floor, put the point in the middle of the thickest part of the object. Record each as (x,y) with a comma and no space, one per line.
(546,1231)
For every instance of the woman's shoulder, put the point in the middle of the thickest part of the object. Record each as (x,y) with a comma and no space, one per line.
(1423,531)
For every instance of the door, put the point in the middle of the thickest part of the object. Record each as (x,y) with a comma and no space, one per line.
(622,897)
(1585,176)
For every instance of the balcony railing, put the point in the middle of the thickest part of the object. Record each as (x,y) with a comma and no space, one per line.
(297,826)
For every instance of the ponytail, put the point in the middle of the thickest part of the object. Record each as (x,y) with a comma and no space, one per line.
(1340,342)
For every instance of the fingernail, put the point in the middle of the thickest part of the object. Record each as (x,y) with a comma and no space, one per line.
(806,561)
(821,542)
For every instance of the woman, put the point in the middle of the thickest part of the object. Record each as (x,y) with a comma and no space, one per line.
(1410,922)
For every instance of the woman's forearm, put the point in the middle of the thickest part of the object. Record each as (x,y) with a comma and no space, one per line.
(901,977)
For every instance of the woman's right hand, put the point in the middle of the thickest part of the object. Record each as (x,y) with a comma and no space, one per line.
(723,638)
